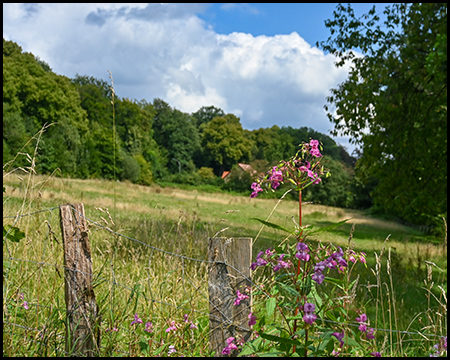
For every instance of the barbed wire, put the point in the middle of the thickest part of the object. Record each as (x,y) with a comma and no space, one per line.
(32,213)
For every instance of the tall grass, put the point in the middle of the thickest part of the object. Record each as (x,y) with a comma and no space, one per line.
(403,289)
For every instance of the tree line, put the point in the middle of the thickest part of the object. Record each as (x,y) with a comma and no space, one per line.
(153,141)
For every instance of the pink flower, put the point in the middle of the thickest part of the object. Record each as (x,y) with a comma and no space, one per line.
(171,327)
(281,264)
(229,347)
(252,319)
(315,152)
(362,318)
(369,334)
(309,318)
(25,305)
(240,297)
(171,349)
(309,307)
(256,189)
(148,327)
(136,320)
(276,177)
(339,336)
(318,277)
(314,144)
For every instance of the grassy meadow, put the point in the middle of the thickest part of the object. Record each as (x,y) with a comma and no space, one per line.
(403,287)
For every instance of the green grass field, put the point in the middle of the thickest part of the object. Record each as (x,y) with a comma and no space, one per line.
(132,278)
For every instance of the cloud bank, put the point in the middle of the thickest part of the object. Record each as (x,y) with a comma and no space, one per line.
(166,51)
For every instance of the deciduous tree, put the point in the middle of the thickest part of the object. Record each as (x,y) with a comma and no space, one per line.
(394,103)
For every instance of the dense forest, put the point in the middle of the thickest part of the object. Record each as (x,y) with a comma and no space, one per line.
(154,142)
(85,130)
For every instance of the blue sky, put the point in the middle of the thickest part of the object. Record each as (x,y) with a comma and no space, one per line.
(257,61)
(307,19)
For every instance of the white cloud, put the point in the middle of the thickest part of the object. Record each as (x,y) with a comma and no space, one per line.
(165,51)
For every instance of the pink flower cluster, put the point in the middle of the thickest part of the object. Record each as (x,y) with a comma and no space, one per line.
(303,252)
(264,257)
(256,189)
(314,148)
(293,169)
(240,297)
(363,327)
(276,178)
(227,350)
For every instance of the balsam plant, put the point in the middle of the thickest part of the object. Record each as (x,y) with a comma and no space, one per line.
(300,318)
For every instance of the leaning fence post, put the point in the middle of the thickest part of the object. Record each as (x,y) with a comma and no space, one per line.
(229,272)
(82,311)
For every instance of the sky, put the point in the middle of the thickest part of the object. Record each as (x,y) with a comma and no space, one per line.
(257,61)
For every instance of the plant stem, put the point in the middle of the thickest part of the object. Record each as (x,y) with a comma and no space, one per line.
(300,209)
(298,262)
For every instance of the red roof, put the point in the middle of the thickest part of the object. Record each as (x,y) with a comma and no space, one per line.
(225,174)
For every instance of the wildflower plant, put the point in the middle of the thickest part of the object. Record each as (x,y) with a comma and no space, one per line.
(299,318)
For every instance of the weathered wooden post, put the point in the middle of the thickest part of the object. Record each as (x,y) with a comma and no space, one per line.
(225,319)
(82,311)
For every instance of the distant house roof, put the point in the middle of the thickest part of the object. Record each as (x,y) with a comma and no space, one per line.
(245,167)
(248,168)
(225,174)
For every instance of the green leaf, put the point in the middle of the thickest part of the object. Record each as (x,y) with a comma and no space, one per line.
(306,287)
(334,281)
(143,345)
(292,291)
(272,225)
(270,306)
(327,228)
(280,340)
(12,233)
(351,342)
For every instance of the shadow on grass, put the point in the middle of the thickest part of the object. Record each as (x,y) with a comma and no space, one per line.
(367,232)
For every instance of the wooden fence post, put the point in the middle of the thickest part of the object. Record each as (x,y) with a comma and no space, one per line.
(227,320)
(82,311)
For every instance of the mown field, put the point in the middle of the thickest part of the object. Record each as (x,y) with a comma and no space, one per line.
(180,221)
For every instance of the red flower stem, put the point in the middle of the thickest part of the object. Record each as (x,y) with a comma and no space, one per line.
(300,208)
(298,262)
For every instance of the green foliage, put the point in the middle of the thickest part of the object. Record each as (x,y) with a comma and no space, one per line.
(206,174)
(205,114)
(130,168)
(335,190)
(175,133)
(12,233)
(394,103)
(224,142)
(33,96)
